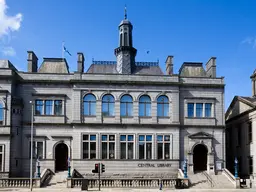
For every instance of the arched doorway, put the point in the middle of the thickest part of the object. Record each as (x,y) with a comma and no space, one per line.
(61,157)
(200,157)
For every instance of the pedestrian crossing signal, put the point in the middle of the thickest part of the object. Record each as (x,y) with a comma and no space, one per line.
(96,168)
(102,168)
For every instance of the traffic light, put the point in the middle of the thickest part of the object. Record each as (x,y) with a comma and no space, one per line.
(96,168)
(102,168)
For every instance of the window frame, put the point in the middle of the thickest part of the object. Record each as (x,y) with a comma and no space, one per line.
(41,105)
(3,157)
(126,142)
(162,105)
(144,104)
(127,104)
(89,141)
(2,108)
(145,146)
(89,103)
(108,141)
(192,108)
(44,105)
(55,106)
(249,132)
(108,103)
(47,105)
(35,154)
(205,111)
(163,142)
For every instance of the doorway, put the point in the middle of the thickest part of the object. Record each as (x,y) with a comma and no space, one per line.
(200,158)
(61,157)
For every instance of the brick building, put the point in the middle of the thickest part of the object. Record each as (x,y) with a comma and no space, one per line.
(132,116)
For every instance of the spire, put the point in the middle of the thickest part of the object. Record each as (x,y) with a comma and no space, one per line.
(125,13)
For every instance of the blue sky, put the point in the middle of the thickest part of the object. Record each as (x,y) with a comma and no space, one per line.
(190,30)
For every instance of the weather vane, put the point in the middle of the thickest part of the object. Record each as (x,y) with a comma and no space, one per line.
(125,12)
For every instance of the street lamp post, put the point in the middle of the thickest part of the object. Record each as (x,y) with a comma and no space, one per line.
(185,168)
(236,168)
(31,145)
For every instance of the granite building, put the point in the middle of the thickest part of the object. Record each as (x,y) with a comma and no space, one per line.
(132,116)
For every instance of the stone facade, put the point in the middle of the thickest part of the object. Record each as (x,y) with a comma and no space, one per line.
(67,127)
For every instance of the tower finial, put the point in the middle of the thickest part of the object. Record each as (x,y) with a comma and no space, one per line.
(125,12)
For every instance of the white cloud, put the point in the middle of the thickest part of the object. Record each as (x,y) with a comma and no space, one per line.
(8,23)
(250,41)
(8,51)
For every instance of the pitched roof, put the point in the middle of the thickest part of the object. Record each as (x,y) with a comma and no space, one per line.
(54,65)
(111,69)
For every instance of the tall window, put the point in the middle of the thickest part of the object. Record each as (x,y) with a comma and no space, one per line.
(199,109)
(249,132)
(89,146)
(1,113)
(163,146)
(190,109)
(48,107)
(208,109)
(144,106)
(126,106)
(250,165)
(58,107)
(39,107)
(38,149)
(125,39)
(1,157)
(108,105)
(108,146)
(126,146)
(90,105)
(145,146)
(239,135)
(162,106)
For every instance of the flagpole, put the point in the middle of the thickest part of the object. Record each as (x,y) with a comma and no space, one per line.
(62,50)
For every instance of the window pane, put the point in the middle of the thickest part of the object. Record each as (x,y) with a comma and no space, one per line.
(93,137)
(167,138)
(141,150)
(104,151)
(130,150)
(123,150)
(111,109)
(160,150)
(123,138)
(141,138)
(1,112)
(93,108)
(48,107)
(85,137)
(159,138)
(40,150)
(166,110)
(57,107)
(190,109)
(149,138)
(105,111)
(111,137)
(130,137)
(104,138)
(39,107)
(93,150)
(141,109)
(123,109)
(85,150)
(162,106)
(199,110)
(149,151)
(1,162)
(129,109)
(86,108)
(208,109)
(112,150)
(1,148)
(166,150)
(148,109)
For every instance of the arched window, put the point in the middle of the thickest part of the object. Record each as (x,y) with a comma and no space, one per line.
(126,106)
(1,113)
(125,39)
(144,106)
(89,105)
(121,39)
(108,105)
(162,106)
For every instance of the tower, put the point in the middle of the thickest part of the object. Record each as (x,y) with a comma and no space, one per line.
(125,53)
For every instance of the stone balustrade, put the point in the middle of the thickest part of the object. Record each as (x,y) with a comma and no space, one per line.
(18,183)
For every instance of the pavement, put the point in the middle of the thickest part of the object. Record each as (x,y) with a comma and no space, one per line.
(123,190)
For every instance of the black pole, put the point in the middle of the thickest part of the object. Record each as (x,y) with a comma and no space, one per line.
(99,174)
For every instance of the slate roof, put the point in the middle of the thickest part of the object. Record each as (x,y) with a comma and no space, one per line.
(54,65)
(111,69)
(250,99)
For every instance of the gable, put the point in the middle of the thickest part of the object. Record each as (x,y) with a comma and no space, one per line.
(237,108)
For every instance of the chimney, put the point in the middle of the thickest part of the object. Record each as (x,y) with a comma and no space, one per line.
(211,67)
(32,62)
(169,65)
(80,62)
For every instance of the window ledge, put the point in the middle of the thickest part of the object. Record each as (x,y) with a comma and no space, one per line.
(163,117)
(89,115)
(200,117)
(145,117)
(108,116)
(49,115)
(127,117)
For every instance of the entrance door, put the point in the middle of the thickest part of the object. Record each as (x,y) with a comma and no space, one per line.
(200,158)
(61,157)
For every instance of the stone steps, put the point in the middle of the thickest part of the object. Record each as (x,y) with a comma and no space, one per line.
(59,180)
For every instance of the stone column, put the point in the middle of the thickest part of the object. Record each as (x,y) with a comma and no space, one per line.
(98,111)
(117,111)
(76,107)
(154,112)
(136,111)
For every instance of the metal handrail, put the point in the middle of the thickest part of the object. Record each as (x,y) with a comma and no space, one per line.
(208,177)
